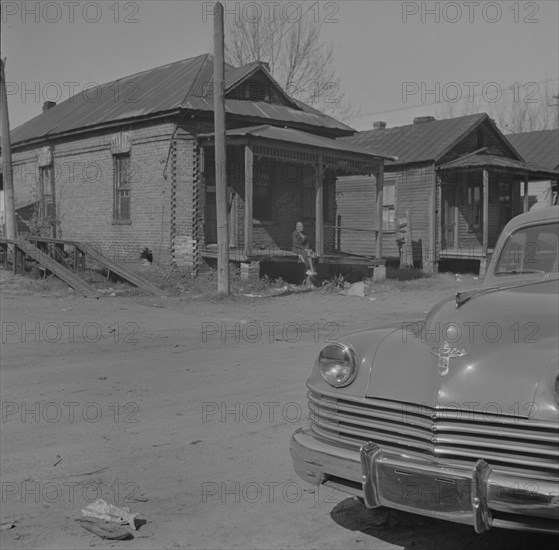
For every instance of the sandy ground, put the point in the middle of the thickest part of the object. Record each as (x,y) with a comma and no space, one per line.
(182,410)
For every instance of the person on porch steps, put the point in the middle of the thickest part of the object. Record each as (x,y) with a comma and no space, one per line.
(301,247)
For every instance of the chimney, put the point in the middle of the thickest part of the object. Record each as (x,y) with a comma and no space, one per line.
(379,125)
(48,105)
(422,119)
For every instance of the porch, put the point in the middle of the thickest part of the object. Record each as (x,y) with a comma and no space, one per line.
(480,193)
(279,262)
(277,177)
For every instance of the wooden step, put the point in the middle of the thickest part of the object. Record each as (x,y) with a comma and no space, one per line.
(69,277)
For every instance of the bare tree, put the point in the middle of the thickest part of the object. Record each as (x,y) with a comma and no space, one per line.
(520,108)
(528,114)
(299,60)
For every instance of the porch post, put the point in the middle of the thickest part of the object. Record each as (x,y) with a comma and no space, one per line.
(485,210)
(456,214)
(483,261)
(319,208)
(249,174)
(380,206)
(526,196)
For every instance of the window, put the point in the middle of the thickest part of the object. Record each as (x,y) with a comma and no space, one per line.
(388,218)
(46,184)
(122,188)
(256,90)
(263,199)
(473,203)
(534,248)
(389,207)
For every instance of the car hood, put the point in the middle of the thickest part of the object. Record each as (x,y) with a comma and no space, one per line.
(503,346)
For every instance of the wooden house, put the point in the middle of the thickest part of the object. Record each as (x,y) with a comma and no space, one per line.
(541,149)
(458,179)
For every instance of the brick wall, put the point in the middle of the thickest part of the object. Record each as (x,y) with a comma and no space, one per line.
(84,190)
(186,217)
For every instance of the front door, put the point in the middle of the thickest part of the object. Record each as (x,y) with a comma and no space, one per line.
(448,216)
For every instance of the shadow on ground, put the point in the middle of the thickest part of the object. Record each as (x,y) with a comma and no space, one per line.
(415,532)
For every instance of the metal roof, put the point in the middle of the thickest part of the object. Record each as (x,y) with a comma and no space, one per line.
(427,141)
(270,111)
(481,160)
(290,135)
(185,84)
(540,148)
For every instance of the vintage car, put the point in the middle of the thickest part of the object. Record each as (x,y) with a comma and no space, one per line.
(527,247)
(455,417)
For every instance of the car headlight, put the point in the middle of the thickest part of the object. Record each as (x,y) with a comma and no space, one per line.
(338,365)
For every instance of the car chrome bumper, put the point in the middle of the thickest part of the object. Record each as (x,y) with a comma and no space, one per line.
(469,496)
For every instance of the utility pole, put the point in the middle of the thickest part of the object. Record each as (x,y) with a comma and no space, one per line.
(220,154)
(9,207)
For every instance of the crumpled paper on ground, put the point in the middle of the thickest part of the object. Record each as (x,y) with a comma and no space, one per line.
(102,510)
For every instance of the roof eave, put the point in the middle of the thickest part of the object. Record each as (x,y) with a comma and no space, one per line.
(536,173)
(362,156)
(96,127)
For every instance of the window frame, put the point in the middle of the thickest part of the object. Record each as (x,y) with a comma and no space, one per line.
(388,218)
(474,207)
(519,252)
(121,189)
(47,199)
(389,222)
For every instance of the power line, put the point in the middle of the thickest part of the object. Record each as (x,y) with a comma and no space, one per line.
(428,104)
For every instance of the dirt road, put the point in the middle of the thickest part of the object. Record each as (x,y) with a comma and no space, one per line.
(182,410)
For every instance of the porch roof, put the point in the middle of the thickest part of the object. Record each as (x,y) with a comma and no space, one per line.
(484,160)
(267,133)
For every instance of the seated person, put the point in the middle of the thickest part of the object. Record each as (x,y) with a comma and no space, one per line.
(301,247)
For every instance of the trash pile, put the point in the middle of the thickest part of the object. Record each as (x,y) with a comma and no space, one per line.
(107,521)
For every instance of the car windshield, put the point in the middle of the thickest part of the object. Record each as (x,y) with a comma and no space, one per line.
(533,249)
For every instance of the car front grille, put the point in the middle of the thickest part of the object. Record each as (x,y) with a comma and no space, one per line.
(455,437)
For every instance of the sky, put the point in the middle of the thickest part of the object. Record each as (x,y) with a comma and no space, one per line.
(397,60)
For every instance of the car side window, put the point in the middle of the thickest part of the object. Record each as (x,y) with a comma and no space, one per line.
(534,248)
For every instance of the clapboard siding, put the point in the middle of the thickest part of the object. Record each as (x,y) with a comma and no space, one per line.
(356,209)
(356,206)
(540,193)
(414,188)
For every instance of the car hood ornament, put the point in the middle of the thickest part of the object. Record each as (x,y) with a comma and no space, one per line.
(445,353)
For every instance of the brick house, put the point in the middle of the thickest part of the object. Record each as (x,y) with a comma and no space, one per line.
(459,179)
(129,165)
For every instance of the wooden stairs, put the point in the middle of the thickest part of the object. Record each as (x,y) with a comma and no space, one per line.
(31,248)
